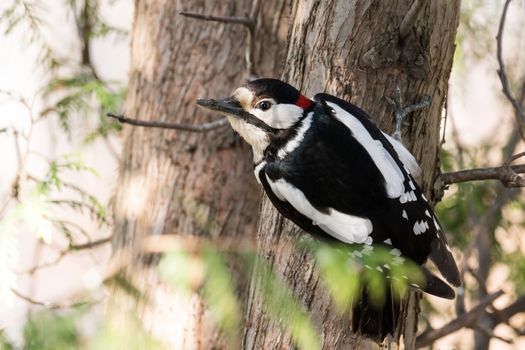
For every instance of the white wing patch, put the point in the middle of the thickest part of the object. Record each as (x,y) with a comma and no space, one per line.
(344,227)
(296,140)
(404,155)
(382,159)
(420,227)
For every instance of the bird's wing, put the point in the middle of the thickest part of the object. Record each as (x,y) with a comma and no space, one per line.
(404,155)
(396,149)
(341,226)
(409,212)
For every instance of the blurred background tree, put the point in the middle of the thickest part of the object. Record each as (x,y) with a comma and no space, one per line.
(195,193)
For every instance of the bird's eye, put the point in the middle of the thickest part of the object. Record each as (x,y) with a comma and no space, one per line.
(264,105)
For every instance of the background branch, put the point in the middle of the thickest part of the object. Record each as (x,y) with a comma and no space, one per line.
(501,71)
(49,305)
(216,124)
(464,320)
(508,175)
(249,22)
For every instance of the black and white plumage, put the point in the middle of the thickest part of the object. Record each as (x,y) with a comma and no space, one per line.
(326,167)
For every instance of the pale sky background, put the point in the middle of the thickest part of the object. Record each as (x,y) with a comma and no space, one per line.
(477,106)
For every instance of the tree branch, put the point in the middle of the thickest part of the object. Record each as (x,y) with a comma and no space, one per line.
(508,175)
(48,305)
(221,19)
(91,244)
(72,248)
(501,71)
(216,124)
(249,22)
(465,320)
(503,315)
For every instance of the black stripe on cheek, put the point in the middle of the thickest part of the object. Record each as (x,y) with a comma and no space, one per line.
(251,119)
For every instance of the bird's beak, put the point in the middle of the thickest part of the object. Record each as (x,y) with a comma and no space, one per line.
(227,106)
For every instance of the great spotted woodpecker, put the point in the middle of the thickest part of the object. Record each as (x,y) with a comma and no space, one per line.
(326,167)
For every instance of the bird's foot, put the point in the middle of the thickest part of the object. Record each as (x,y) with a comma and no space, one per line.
(402,111)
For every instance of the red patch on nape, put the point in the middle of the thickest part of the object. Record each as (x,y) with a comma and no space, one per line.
(304,102)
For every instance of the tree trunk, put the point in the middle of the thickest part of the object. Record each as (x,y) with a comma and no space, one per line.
(353,49)
(175,182)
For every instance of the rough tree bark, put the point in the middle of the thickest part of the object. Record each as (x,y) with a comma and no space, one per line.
(177,182)
(356,50)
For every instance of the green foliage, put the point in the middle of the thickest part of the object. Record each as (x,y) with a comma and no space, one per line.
(473,208)
(284,308)
(49,330)
(211,274)
(26,16)
(5,344)
(180,270)
(60,330)
(123,330)
(341,275)
(121,282)
(218,291)
(35,212)
(84,94)
(346,270)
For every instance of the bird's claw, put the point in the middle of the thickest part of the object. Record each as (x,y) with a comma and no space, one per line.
(402,111)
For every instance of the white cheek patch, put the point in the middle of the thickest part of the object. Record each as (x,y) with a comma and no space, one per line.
(344,227)
(280,116)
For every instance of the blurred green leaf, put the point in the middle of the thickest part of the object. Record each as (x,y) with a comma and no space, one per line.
(5,344)
(283,307)
(340,274)
(123,330)
(219,293)
(182,271)
(124,283)
(48,330)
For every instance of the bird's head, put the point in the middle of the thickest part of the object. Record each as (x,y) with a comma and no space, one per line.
(261,110)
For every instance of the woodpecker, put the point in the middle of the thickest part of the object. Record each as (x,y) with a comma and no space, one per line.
(325,166)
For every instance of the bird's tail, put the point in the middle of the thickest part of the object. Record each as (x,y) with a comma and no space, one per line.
(376,320)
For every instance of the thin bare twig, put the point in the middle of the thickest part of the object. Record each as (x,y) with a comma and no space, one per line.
(221,19)
(49,305)
(51,263)
(216,124)
(72,248)
(90,244)
(410,18)
(249,22)
(501,71)
(465,320)
(514,157)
